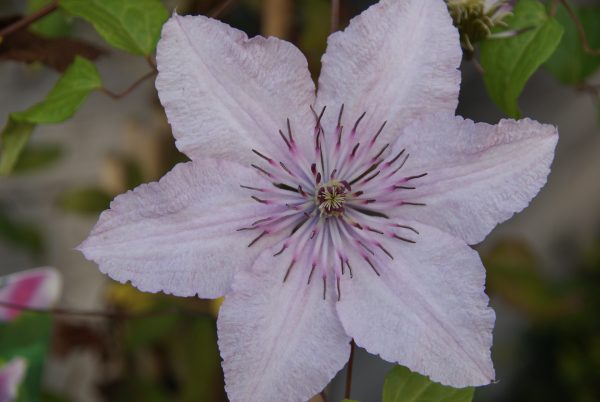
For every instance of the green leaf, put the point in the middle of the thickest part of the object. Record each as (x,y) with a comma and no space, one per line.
(570,64)
(66,97)
(13,139)
(38,157)
(88,200)
(133,26)
(402,385)
(53,25)
(510,62)
(61,103)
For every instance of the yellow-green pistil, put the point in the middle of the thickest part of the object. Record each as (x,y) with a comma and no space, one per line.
(331,197)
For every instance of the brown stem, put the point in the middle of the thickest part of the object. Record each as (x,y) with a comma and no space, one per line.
(94,313)
(335,15)
(26,21)
(218,10)
(593,90)
(131,87)
(553,8)
(349,371)
(580,30)
(323,396)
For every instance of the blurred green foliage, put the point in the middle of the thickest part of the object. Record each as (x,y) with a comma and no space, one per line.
(559,357)
(86,200)
(24,235)
(165,357)
(402,385)
(38,157)
(570,64)
(28,336)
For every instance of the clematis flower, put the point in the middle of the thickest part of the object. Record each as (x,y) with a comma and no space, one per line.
(330,215)
(35,288)
(11,376)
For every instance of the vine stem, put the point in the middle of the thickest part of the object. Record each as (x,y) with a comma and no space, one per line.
(131,87)
(580,30)
(26,21)
(335,15)
(349,371)
(95,313)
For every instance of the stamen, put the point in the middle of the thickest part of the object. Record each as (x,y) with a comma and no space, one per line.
(395,236)
(252,188)
(257,239)
(259,199)
(287,273)
(280,251)
(380,152)
(407,227)
(311,273)
(285,140)
(372,266)
(378,132)
(289,128)
(385,251)
(339,124)
(286,169)
(354,150)
(263,171)
(358,121)
(285,187)
(262,156)
(415,177)
(349,268)
(368,212)
(338,288)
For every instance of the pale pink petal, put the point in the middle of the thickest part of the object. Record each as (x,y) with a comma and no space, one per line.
(225,94)
(478,174)
(279,341)
(427,311)
(397,60)
(11,376)
(34,288)
(179,235)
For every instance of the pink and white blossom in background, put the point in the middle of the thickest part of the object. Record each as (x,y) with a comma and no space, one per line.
(11,376)
(35,288)
(330,215)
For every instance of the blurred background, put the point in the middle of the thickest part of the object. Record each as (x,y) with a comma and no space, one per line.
(543,265)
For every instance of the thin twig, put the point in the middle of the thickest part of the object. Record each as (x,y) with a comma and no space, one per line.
(349,371)
(335,15)
(131,87)
(218,10)
(27,20)
(151,62)
(580,30)
(97,313)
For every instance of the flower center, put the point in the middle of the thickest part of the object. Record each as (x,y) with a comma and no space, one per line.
(330,198)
